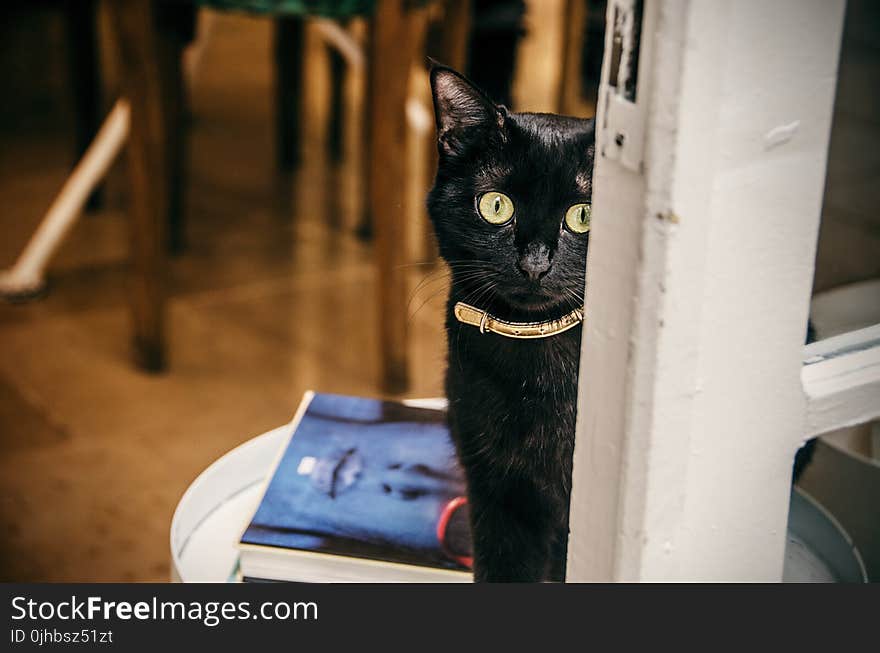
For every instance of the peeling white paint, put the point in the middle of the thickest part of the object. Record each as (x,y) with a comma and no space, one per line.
(780,135)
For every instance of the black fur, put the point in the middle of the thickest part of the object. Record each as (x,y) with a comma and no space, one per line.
(512,402)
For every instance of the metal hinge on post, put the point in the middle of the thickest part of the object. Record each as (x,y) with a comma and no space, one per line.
(622,132)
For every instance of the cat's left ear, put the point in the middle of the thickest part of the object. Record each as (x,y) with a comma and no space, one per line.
(463,112)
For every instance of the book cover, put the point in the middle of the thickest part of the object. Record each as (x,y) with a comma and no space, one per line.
(362,478)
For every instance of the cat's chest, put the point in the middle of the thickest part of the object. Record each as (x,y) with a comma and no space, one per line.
(513,404)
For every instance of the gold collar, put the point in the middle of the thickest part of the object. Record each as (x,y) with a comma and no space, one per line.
(467,314)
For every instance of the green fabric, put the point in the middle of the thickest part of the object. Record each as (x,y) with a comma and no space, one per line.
(330,8)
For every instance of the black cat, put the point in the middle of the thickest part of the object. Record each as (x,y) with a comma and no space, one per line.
(511,210)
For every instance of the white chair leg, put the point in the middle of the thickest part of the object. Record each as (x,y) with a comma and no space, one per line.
(26,279)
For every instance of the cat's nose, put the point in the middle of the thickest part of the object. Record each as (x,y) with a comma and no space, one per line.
(534,263)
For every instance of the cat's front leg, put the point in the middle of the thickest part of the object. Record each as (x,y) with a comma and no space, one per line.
(509,544)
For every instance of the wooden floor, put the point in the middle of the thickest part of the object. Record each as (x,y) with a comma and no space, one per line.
(275,295)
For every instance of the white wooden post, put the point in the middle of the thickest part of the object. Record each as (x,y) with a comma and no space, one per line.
(708,187)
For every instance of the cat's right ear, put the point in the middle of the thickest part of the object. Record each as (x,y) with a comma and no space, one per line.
(464,114)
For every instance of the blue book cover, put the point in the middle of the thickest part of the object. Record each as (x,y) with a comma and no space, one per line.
(363,478)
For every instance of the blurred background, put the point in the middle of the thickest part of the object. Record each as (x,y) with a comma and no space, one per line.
(268,261)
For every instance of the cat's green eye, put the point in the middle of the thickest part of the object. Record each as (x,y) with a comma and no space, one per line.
(577,218)
(496,208)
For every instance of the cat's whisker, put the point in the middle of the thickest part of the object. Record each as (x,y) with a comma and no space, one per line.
(418,264)
(474,273)
(481,292)
(428,280)
(424,303)
(572,299)
(445,278)
(436,292)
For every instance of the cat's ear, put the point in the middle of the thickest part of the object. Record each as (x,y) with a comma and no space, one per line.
(462,111)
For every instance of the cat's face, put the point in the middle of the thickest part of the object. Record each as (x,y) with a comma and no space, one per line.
(511,202)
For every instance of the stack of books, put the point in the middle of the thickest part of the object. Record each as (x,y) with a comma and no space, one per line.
(363,491)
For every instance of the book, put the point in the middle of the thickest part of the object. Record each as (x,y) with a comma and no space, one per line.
(364,490)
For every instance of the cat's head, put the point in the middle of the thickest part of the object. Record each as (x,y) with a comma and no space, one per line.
(511,201)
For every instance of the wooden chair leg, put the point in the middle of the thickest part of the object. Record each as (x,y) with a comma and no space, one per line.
(141,74)
(420,145)
(336,124)
(82,55)
(454,37)
(175,25)
(365,226)
(288,50)
(388,78)
(570,96)
(456,31)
